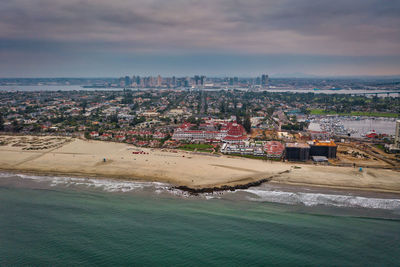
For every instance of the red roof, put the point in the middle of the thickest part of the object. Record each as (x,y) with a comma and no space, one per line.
(274,147)
(142,143)
(235,129)
(235,138)
(186,125)
(194,131)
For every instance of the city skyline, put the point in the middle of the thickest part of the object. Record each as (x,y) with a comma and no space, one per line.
(43,38)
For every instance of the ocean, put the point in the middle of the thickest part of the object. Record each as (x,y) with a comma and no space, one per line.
(47,220)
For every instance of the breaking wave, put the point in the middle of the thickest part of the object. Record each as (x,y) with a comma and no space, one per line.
(314,199)
(108,185)
(105,184)
(256,193)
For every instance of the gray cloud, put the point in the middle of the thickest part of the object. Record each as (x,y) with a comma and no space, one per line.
(252,27)
(290,26)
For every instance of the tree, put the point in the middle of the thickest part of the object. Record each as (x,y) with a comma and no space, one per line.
(1,122)
(128,98)
(16,126)
(238,118)
(247,123)
(270,110)
(137,120)
(222,107)
(83,106)
(36,128)
(194,120)
(114,118)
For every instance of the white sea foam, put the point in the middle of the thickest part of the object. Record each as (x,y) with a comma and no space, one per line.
(314,199)
(261,195)
(109,185)
(105,184)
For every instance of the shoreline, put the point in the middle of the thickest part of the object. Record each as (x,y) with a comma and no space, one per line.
(218,188)
(193,173)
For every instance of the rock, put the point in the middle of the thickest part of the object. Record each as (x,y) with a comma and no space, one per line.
(196,191)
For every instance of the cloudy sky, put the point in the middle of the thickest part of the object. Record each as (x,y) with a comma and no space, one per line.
(94,38)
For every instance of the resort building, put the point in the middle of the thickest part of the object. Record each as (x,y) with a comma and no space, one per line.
(230,132)
(243,149)
(323,148)
(270,149)
(274,149)
(297,151)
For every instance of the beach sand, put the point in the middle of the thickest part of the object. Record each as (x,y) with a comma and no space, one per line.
(86,158)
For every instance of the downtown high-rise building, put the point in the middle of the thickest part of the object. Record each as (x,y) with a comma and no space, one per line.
(199,80)
(159,81)
(127,81)
(264,80)
(173,81)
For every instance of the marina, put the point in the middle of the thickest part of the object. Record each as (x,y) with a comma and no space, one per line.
(353,126)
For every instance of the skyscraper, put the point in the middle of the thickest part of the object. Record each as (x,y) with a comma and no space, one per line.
(202,80)
(258,81)
(127,81)
(264,80)
(187,82)
(159,81)
(173,83)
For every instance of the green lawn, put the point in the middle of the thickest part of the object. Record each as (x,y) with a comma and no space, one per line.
(248,156)
(354,113)
(199,147)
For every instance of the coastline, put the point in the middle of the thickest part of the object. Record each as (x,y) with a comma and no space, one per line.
(216,188)
(302,196)
(82,158)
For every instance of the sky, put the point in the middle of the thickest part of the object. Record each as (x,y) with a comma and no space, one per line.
(104,38)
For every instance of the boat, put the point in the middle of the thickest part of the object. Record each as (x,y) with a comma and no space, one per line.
(371,134)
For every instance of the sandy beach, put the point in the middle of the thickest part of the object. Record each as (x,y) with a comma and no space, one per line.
(59,155)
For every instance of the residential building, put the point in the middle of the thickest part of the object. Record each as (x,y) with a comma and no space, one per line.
(297,151)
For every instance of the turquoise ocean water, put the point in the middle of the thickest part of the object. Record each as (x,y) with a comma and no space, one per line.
(47,221)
